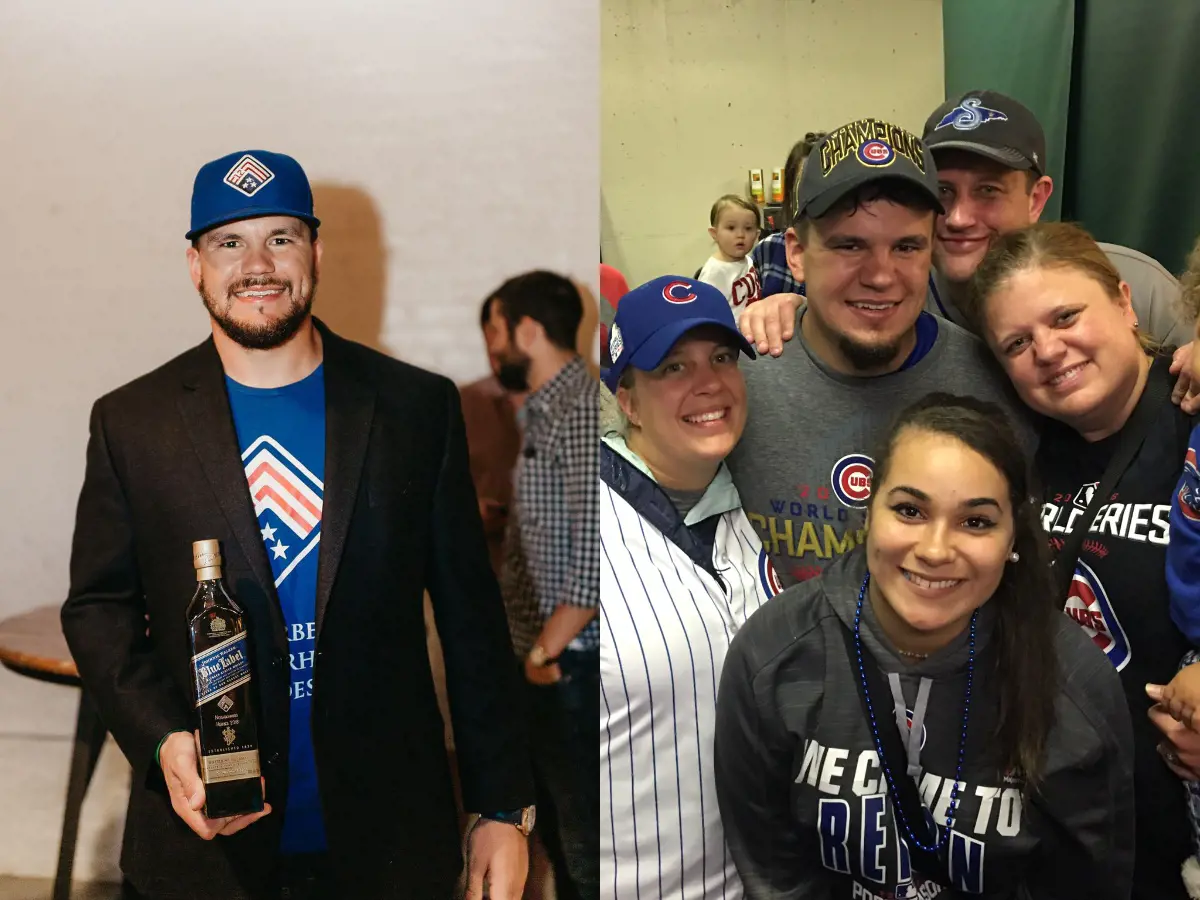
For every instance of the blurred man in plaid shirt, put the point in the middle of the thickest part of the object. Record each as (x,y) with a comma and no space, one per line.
(536,319)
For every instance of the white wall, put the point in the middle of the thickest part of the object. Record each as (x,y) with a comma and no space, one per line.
(451,144)
(696,92)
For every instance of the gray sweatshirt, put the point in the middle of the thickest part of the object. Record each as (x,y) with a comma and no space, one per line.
(803,465)
(801,792)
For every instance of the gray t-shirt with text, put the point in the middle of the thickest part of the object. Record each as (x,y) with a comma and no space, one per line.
(803,465)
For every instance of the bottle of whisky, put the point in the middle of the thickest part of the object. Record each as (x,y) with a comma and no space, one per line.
(229,764)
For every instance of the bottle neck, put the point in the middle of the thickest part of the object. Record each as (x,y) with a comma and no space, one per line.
(211,590)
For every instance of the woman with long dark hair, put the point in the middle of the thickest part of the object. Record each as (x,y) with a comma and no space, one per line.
(1060,320)
(920,715)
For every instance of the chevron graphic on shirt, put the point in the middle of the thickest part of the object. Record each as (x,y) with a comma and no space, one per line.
(286,494)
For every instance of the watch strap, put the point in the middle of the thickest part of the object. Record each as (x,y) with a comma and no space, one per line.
(521,818)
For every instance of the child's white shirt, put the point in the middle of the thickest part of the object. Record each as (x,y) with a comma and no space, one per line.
(737,280)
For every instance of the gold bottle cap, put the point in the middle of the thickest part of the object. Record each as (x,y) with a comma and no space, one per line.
(206,557)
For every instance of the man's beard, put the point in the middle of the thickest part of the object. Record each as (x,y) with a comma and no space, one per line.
(266,335)
(867,357)
(513,373)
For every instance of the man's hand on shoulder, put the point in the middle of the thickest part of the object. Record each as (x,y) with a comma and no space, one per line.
(180,763)
(771,321)
(1186,394)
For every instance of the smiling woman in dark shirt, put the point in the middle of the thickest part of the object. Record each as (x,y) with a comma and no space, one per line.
(1061,322)
(931,654)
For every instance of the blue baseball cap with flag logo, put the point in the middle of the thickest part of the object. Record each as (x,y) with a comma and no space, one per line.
(247,185)
(654,316)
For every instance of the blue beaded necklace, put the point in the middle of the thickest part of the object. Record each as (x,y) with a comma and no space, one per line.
(962,741)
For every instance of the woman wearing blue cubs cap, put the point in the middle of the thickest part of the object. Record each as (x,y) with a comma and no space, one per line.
(680,570)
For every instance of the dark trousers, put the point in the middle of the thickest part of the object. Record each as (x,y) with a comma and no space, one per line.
(564,722)
(300,877)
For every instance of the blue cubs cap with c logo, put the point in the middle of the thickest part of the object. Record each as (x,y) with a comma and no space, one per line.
(651,318)
(247,185)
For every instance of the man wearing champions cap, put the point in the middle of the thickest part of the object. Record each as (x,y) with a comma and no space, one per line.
(990,153)
(861,239)
(337,483)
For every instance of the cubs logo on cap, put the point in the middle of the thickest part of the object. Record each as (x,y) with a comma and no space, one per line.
(860,153)
(969,115)
(767,575)
(653,316)
(678,292)
(248,175)
(851,479)
(1088,604)
(876,153)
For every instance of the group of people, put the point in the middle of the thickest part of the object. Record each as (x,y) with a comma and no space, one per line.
(835,660)
(338,483)
(887,588)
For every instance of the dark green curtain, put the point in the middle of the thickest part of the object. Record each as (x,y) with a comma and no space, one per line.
(1116,85)
(1133,175)
(1021,48)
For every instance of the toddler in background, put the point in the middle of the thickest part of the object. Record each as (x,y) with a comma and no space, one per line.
(734,227)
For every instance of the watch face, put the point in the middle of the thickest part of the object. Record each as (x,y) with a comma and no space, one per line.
(528,818)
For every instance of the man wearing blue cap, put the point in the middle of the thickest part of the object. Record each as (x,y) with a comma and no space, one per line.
(682,569)
(296,449)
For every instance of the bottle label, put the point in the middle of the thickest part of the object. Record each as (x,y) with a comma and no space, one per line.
(221,668)
(229,766)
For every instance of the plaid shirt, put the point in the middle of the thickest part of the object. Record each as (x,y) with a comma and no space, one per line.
(520,598)
(557,497)
(774,276)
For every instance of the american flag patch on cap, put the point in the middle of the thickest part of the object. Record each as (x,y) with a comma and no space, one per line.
(248,176)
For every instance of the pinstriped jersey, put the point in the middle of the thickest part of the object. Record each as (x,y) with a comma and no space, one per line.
(670,604)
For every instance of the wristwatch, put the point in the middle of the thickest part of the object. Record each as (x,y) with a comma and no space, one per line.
(538,657)
(523,819)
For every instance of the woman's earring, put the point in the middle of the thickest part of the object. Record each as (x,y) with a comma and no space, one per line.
(1014,556)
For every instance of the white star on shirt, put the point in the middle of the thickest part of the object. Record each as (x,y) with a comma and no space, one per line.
(268,533)
(281,550)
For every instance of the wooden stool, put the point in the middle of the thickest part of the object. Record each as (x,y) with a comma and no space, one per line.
(32,644)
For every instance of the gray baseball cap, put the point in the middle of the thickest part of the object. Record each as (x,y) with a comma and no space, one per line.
(859,153)
(990,124)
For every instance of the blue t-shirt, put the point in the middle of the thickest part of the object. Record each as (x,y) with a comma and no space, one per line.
(281,433)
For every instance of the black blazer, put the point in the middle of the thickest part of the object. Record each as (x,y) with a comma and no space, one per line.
(400,515)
